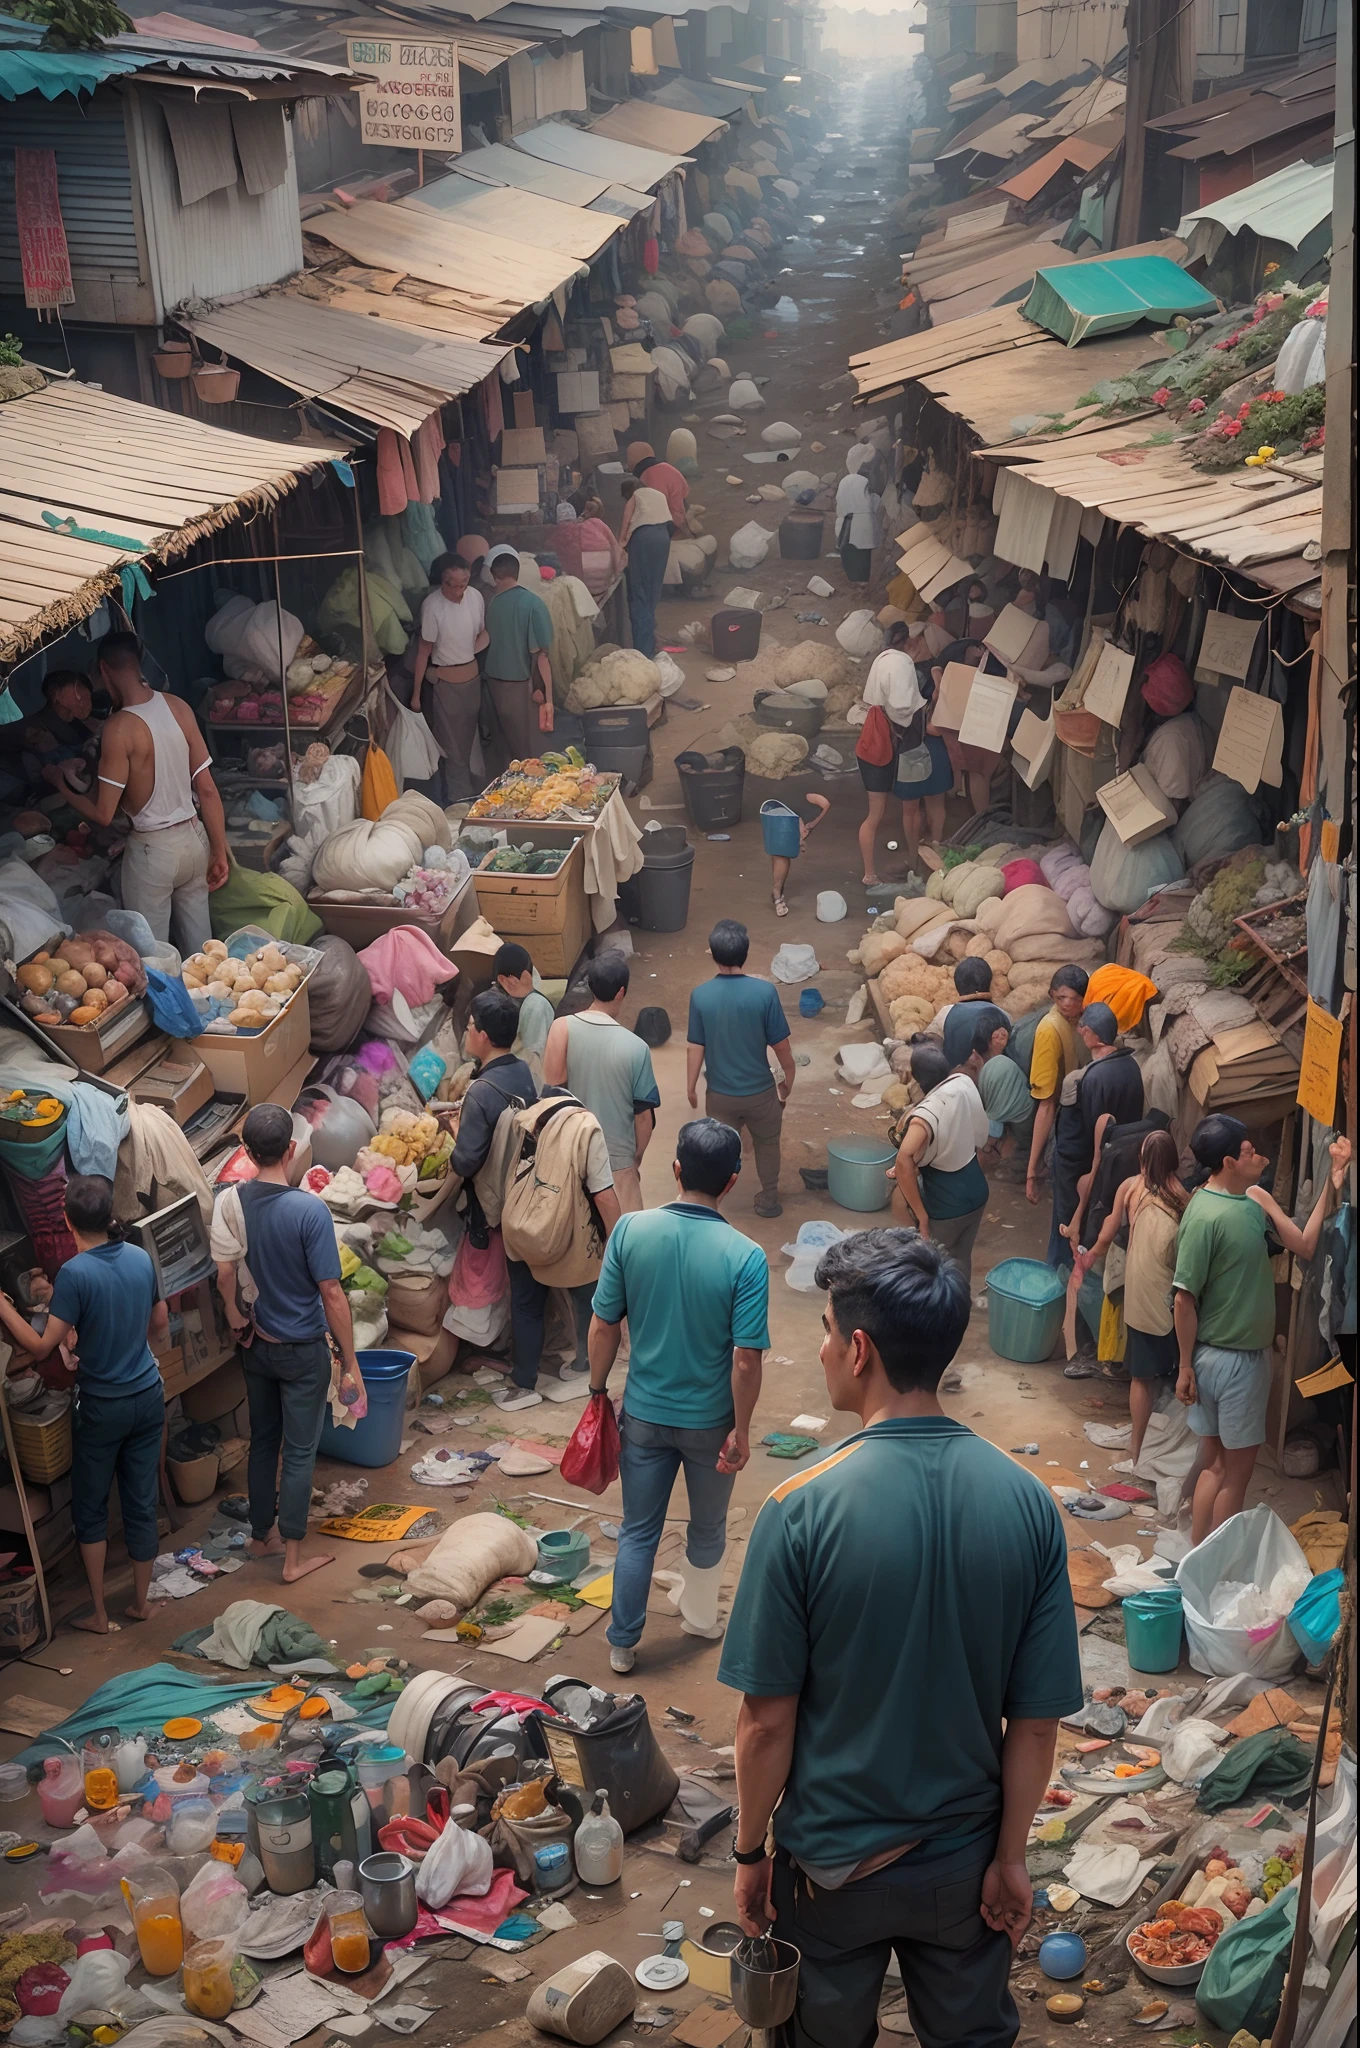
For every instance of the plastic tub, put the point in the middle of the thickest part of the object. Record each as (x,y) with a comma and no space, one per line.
(736,634)
(784,711)
(657,897)
(780,830)
(1024,1310)
(801,535)
(857,1173)
(377,1439)
(13,1783)
(712,796)
(1153,1626)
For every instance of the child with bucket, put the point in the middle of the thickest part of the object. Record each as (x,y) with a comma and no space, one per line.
(784,827)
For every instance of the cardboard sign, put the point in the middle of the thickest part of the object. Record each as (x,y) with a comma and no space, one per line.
(522,447)
(1251,741)
(987,717)
(44,258)
(413,101)
(1320,1064)
(1135,806)
(1227,646)
(517,490)
(1032,748)
(1108,689)
(578,391)
(1011,633)
(952,694)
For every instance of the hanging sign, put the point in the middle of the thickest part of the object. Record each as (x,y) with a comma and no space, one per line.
(412,102)
(1320,1064)
(43,254)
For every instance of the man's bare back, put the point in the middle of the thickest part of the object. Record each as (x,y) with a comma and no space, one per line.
(128,753)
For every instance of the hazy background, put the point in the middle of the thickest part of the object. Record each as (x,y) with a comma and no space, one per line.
(877,30)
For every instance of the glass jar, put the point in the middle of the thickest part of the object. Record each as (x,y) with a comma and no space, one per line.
(349,1932)
(208,1988)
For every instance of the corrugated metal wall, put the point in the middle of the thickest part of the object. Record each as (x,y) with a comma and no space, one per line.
(94,181)
(226,243)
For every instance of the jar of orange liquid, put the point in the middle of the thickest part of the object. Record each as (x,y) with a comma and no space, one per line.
(349,1932)
(153,1901)
(208,1989)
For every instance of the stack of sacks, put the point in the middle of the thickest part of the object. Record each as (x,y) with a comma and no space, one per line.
(1066,872)
(966,887)
(1016,873)
(1032,926)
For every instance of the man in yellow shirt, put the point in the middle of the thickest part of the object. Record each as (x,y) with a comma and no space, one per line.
(1058,1052)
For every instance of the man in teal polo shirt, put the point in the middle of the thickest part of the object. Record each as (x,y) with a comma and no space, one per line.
(518,671)
(695,1294)
(735,1022)
(905,1640)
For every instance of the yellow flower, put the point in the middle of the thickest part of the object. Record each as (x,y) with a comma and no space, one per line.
(1255,462)
(1270,269)
(1266,454)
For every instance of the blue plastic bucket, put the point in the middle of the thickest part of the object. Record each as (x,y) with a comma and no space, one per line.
(1024,1310)
(377,1439)
(1152,1628)
(780,830)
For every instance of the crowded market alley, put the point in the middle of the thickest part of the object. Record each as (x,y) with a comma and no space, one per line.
(338,1779)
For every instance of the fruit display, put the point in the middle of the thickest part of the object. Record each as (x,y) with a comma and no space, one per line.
(84,978)
(234,996)
(312,694)
(547,786)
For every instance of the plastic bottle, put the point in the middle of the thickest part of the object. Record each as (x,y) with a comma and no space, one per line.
(598,1845)
(61,1790)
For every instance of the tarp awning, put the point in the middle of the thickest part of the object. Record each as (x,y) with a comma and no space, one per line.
(129,472)
(652,127)
(1283,208)
(500,164)
(485,274)
(1111,295)
(519,216)
(374,369)
(618,163)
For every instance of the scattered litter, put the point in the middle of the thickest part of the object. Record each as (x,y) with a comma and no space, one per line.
(810,1425)
(1028,1451)
(555,1917)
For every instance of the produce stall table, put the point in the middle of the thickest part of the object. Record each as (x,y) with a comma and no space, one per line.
(547,914)
(361,923)
(610,843)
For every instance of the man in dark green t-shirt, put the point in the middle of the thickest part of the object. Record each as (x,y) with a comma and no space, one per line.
(518,672)
(905,1641)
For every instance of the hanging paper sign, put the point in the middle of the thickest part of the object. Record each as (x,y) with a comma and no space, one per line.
(413,100)
(43,255)
(1320,1063)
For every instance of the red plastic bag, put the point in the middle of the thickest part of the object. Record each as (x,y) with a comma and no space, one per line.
(591,1459)
(479,1278)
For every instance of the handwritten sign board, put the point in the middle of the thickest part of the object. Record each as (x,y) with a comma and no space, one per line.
(1251,740)
(43,255)
(1320,1063)
(412,102)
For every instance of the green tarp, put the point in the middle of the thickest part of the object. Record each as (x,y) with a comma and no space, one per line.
(1109,297)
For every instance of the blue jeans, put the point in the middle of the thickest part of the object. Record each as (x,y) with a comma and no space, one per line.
(649,550)
(117,1436)
(287,1389)
(649,1460)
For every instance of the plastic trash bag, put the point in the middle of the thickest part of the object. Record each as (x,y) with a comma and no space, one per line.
(591,1459)
(1245,1973)
(215,1904)
(1249,1548)
(1302,360)
(794,963)
(831,906)
(96,1979)
(410,745)
(806,1252)
(859,633)
(1123,877)
(749,546)
(672,675)
(459,1864)
(172,1006)
(1315,1616)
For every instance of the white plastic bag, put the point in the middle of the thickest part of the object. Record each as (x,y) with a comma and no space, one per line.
(744,396)
(794,963)
(96,1979)
(749,546)
(860,634)
(1303,357)
(806,1250)
(831,906)
(1251,1547)
(410,745)
(458,1863)
(215,1904)
(1191,1750)
(672,675)
(28,908)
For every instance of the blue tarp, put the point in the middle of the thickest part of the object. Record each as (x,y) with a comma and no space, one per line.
(54,72)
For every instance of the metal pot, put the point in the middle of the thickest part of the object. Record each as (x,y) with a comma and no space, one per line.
(279,1831)
(765,1998)
(387,1885)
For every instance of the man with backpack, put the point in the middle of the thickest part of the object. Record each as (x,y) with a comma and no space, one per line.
(501,1086)
(557,1211)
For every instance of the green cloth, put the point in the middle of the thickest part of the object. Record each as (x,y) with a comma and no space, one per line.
(389,615)
(953,1193)
(1005,1093)
(912,1590)
(250,897)
(1273,1765)
(1244,1976)
(692,1288)
(1221,1259)
(536,1015)
(519,625)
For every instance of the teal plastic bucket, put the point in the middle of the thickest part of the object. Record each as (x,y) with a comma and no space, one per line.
(1024,1310)
(857,1173)
(1153,1623)
(780,831)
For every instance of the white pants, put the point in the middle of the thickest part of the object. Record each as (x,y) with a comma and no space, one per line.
(165,876)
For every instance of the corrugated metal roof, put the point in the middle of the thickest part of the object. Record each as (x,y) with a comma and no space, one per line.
(702,96)
(1082,152)
(881,370)
(1258,118)
(1090,103)
(1043,377)
(371,368)
(1113,294)
(618,163)
(652,127)
(486,274)
(129,470)
(1003,138)
(521,216)
(1284,208)
(499,164)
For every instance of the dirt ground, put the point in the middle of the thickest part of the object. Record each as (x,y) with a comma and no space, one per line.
(841,297)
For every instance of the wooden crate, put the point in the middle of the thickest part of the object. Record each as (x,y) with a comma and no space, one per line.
(361,923)
(548,914)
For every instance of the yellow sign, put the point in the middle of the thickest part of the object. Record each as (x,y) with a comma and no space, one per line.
(412,102)
(1320,1064)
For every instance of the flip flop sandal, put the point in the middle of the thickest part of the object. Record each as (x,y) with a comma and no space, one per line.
(781,908)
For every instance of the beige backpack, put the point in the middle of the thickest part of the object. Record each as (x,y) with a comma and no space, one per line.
(548,1221)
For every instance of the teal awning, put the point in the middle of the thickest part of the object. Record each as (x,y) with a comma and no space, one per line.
(1109,297)
(54,72)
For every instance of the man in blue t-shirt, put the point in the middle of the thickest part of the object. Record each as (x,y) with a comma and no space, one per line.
(695,1295)
(282,1240)
(735,1022)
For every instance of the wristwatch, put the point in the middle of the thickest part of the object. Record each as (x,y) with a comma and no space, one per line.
(749,1856)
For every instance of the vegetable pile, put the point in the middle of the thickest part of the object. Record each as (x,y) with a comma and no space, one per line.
(555,785)
(83,979)
(240,995)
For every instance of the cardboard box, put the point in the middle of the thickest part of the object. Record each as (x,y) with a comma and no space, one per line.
(518,490)
(359,924)
(522,447)
(578,391)
(175,1083)
(1136,806)
(93,1047)
(254,1066)
(547,914)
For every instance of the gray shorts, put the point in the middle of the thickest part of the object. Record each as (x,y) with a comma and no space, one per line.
(1232,1389)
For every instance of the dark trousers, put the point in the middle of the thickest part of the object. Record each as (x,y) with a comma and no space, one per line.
(117,1436)
(1066,1174)
(649,550)
(287,1386)
(923,1909)
(528,1310)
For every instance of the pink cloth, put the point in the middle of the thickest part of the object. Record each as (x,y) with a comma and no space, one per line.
(479,1278)
(589,549)
(477,1916)
(1167,688)
(1017,873)
(408,959)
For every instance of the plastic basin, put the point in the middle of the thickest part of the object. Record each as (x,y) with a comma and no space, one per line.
(1153,1625)
(377,1439)
(1024,1310)
(857,1173)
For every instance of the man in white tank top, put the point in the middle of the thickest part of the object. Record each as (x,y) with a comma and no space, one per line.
(155,766)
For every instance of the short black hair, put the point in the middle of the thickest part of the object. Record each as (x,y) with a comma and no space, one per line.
(62,679)
(497,1014)
(729,942)
(708,1154)
(929,1066)
(899,632)
(1069,977)
(972,976)
(88,1202)
(268,1132)
(607,975)
(443,562)
(120,650)
(1216,1139)
(906,1294)
(511,959)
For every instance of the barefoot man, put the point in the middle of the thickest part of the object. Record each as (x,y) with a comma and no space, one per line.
(104,1309)
(278,1248)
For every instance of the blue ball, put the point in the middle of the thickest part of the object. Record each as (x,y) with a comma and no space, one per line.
(1062,1956)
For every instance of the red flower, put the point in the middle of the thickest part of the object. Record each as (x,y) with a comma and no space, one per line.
(1275,397)
(1161,397)
(1232,428)
(1196,405)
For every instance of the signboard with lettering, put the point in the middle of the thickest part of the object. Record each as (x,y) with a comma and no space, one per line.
(412,102)
(43,255)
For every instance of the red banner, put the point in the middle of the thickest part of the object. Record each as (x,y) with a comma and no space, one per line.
(42,234)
